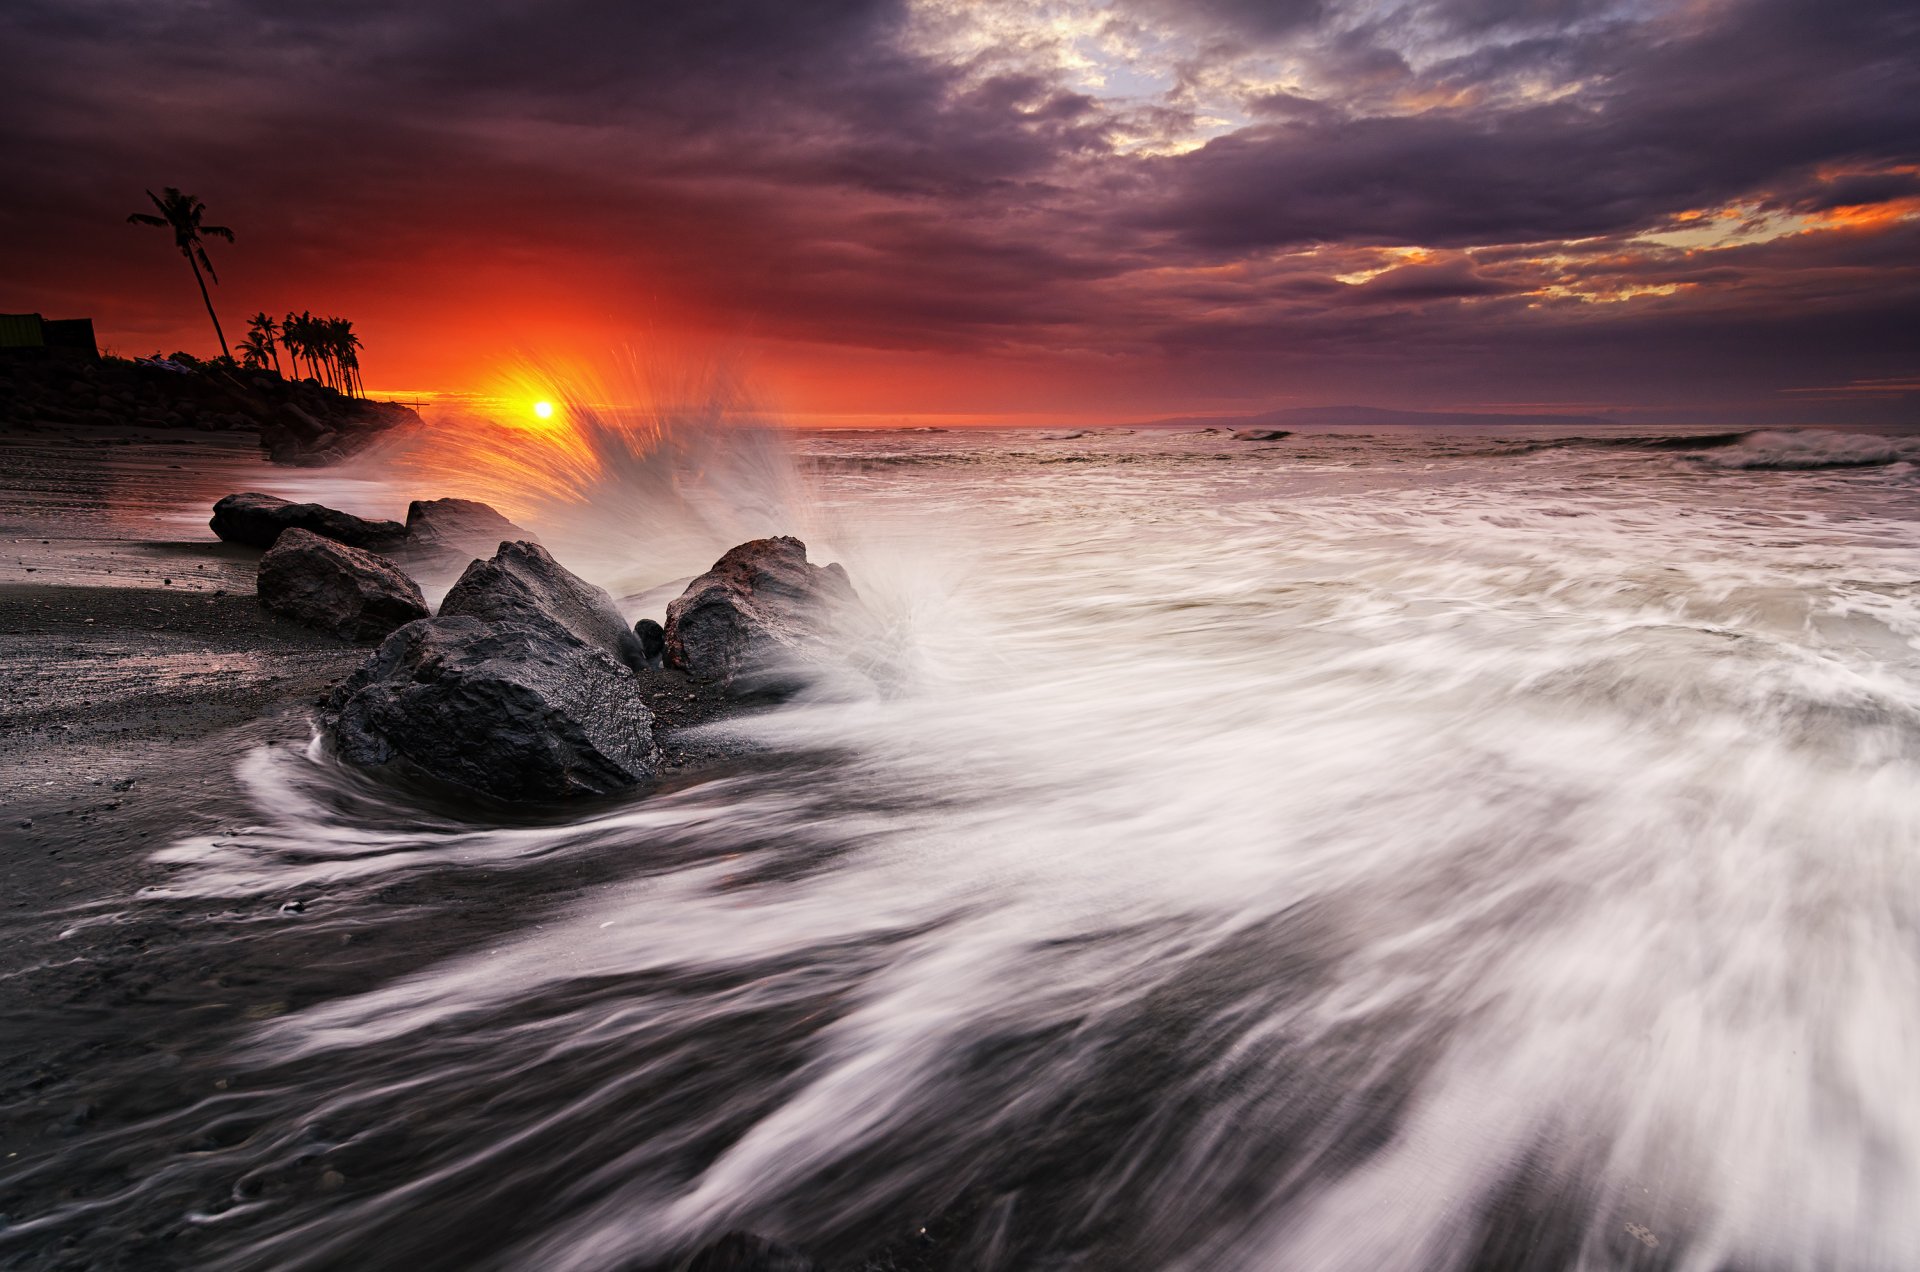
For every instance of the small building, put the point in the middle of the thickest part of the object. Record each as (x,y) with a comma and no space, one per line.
(24,332)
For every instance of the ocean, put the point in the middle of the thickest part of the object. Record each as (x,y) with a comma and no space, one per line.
(1362,851)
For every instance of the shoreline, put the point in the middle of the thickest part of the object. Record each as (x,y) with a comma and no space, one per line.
(137,669)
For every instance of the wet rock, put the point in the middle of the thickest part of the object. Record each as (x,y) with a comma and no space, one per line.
(353,594)
(1260,434)
(759,617)
(746,1252)
(463,528)
(517,711)
(522,583)
(257,520)
(653,642)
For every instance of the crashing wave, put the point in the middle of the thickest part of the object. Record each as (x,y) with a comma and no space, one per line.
(1797,449)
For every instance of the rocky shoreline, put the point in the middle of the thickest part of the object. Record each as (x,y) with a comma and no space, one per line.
(139,670)
(299,422)
(527,684)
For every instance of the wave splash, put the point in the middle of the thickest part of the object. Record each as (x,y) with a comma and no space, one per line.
(1438,866)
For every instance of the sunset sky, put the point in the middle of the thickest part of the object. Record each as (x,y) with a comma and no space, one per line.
(1090,209)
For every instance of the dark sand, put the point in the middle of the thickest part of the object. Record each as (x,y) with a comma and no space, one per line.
(136,670)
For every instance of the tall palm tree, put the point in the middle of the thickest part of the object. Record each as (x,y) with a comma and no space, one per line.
(346,352)
(263,328)
(181,213)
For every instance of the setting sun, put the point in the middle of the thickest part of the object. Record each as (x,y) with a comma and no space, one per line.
(543,409)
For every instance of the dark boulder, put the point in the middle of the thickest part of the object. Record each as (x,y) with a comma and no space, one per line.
(1260,434)
(653,642)
(759,617)
(522,583)
(464,528)
(338,589)
(510,710)
(745,1252)
(257,520)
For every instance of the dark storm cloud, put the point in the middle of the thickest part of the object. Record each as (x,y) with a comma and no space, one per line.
(1678,121)
(1250,19)
(811,172)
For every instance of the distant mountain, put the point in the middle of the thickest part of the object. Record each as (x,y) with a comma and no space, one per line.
(1307,416)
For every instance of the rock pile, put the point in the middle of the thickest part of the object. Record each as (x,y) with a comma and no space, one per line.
(528,685)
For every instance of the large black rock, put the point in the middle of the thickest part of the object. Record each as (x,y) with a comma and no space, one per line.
(522,583)
(464,528)
(760,617)
(351,593)
(257,520)
(511,710)
(746,1252)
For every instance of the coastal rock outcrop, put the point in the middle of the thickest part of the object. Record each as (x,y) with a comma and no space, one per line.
(758,617)
(256,520)
(1260,434)
(354,594)
(516,711)
(463,528)
(746,1252)
(522,583)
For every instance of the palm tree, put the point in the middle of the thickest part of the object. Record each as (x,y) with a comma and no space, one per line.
(345,347)
(295,333)
(181,213)
(254,350)
(263,329)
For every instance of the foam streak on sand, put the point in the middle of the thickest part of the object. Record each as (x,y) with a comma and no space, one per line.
(1408,852)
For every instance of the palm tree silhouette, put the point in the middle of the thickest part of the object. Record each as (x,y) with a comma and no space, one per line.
(301,334)
(254,351)
(181,213)
(345,348)
(261,328)
(291,337)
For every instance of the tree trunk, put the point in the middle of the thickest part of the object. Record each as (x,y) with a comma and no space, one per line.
(208,301)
